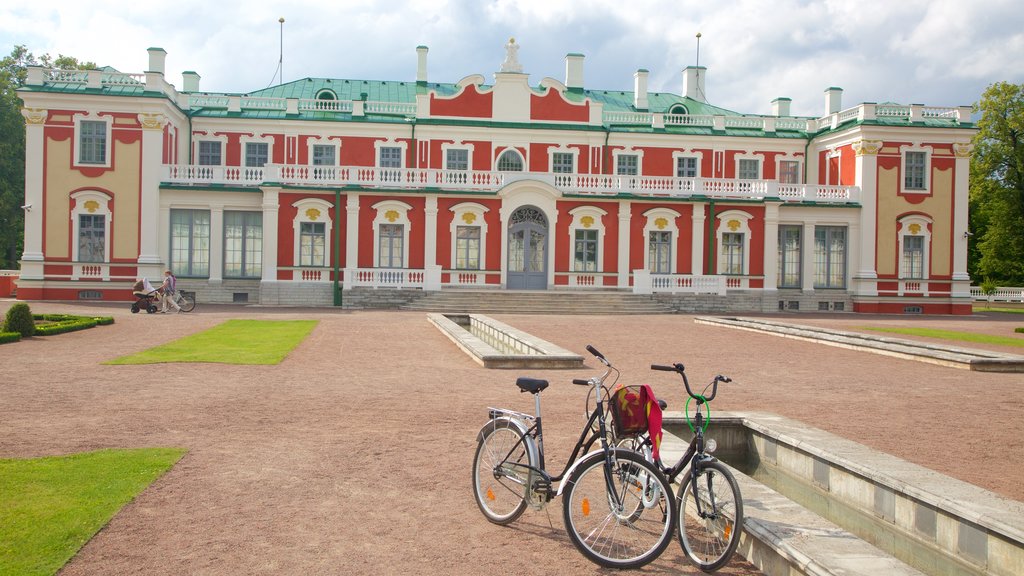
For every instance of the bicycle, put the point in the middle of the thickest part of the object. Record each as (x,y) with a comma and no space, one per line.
(710,513)
(618,508)
(186,302)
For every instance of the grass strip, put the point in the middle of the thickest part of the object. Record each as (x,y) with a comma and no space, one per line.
(52,506)
(233,342)
(953,335)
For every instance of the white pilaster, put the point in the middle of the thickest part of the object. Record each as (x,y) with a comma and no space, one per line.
(352,232)
(807,259)
(771,246)
(697,239)
(149,203)
(217,244)
(866,177)
(625,217)
(430,229)
(32,256)
(961,280)
(271,200)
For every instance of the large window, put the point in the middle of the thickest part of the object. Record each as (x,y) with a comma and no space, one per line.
(190,243)
(243,244)
(829,257)
(257,154)
(323,155)
(749,169)
(510,161)
(789,256)
(913,257)
(92,142)
(732,253)
(392,237)
(627,164)
(209,153)
(686,167)
(312,242)
(92,237)
(390,157)
(562,162)
(660,252)
(914,166)
(457,159)
(467,248)
(789,172)
(585,251)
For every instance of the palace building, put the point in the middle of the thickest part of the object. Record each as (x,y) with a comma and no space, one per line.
(326,191)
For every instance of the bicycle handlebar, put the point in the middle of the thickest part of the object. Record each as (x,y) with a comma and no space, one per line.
(580,381)
(681,370)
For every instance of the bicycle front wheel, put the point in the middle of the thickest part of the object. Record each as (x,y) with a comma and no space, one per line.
(501,472)
(186,302)
(710,516)
(622,517)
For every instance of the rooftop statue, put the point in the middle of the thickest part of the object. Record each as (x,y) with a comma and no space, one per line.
(511,63)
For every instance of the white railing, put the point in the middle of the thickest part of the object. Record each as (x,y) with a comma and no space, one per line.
(642,118)
(207,101)
(123,79)
(490,181)
(646,283)
(90,271)
(308,104)
(384,278)
(308,274)
(689,120)
(406,108)
(67,76)
(790,124)
(751,122)
(585,279)
(466,278)
(259,103)
(1001,294)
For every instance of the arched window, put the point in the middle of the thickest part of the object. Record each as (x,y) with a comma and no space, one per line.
(326,94)
(510,161)
(326,100)
(678,109)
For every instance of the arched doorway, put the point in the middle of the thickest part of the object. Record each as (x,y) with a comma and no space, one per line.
(527,249)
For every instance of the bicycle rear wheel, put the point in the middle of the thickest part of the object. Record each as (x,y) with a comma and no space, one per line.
(501,473)
(709,534)
(621,520)
(186,302)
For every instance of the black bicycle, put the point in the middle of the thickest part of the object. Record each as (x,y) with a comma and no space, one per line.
(710,513)
(618,507)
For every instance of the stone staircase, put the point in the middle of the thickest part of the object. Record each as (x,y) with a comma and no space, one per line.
(536,302)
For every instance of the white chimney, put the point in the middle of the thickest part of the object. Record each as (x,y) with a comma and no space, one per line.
(833,100)
(190,81)
(780,106)
(421,65)
(157,57)
(640,89)
(574,71)
(693,83)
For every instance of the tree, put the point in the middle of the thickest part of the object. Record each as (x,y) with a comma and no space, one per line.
(12,146)
(997,185)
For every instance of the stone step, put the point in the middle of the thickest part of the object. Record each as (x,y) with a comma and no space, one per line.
(537,302)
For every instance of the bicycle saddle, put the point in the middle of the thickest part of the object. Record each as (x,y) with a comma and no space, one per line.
(531,385)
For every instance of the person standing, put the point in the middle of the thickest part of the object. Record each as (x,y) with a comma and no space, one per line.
(167,290)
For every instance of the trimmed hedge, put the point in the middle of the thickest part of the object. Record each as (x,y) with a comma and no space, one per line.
(19,319)
(6,337)
(1019,330)
(61,323)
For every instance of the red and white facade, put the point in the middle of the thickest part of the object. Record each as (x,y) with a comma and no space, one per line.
(284,195)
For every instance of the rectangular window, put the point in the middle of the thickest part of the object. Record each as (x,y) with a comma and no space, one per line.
(467,248)
(660,252)
(243,244)
(190,243)
(829,257)
(92,237)
(915,167)
(92,142)
(457,159)
(749,169)
(732,253)
(391,157)
(913,257)
(312,241)
(323,155)
(686,167)
(391,245)
(627,164)
(789,256)
(585,251)
(789,172)
(209,153)
(562,163)
(257,154)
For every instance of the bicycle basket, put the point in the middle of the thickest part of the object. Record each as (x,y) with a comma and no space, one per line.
(629,411)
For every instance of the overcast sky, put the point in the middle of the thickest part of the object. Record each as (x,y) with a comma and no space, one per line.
(933,52)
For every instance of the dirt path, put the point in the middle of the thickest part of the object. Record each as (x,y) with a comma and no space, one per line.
(353,455)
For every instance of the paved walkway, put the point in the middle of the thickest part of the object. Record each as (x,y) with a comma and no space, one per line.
(353,455)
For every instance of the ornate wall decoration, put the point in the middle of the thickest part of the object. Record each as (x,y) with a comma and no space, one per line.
(661,223)
(468,217)
(733,225)
(962,149)
(587,221)
(92,206)
(152,121)
(34,115)
(867,147)
(391,215)
(313,214)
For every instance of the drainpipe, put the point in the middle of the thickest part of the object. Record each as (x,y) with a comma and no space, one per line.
(337,245)
(604,161)
(415,151)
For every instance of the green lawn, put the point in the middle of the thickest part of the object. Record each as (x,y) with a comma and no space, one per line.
(952,335)
(985,308)
(233,342)
(52,506)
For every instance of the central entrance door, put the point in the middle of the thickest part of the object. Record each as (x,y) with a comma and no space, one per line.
(527,250)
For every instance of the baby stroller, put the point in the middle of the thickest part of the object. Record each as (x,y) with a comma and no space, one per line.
(146,297)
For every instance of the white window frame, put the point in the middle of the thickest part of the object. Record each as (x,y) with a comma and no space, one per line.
(652,225)
(390,143)
(76,156)
(303,214)
(725,225)
(311,143)
(923,227)
(927,151)
(82,200)
(401,216)
(506,150)
(829,155)
(587,218)
(630,152)
(699,156)
(451,146)
(756,157)
(244,140)
(476,218)
(574,152)
(223,148)
(799,169)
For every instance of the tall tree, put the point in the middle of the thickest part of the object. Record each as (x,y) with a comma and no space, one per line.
(997,187)
(12,146)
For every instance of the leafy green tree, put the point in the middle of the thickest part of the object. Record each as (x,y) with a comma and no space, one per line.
(12,146)
(996,251)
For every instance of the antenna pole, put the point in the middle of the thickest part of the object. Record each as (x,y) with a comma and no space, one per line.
(698,49)
(280,59)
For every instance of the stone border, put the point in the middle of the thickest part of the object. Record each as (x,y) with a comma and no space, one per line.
(544,354)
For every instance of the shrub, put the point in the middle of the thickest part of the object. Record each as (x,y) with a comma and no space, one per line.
(19,319)
(1019,330)
(61,323)
(6,337)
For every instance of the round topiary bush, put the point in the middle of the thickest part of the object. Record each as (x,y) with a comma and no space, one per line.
(19,319)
